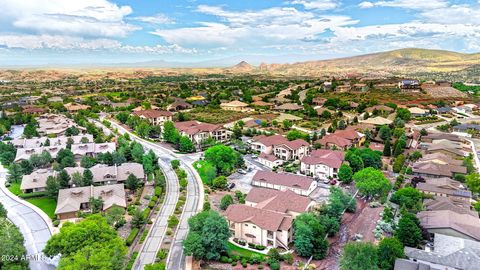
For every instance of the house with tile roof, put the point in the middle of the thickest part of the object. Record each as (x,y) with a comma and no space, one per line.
(72,200)
(450,223)
(299,184)
(235,105)
(322,163)
(342,139)
(267,216)
(198,131)
(154,117)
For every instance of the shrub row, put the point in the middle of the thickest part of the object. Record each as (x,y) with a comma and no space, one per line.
(131,236)
(33,195)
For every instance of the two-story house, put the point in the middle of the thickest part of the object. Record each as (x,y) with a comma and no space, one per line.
(266,217)
(198,131)
(323,164)
(155,117)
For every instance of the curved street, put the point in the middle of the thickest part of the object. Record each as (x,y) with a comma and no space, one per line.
(156,234)
(193,204)
(34,228)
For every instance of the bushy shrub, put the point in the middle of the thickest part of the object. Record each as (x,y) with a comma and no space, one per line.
(131,236)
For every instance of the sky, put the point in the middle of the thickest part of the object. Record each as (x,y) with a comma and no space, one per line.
(216,33)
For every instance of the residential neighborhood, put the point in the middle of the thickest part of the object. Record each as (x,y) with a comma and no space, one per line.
(232,135)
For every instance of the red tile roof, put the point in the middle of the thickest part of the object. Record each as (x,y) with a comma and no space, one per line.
(152,113)
(279,201)
(265,219)
(332,159)
(288,180)
(194,127)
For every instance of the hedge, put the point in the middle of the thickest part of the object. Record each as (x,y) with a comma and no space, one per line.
(131,236)
(146,212)
(132,260)
(158,191)
(33,195)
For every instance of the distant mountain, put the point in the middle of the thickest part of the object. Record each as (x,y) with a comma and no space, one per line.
(242,67)
(397,62)
(417,63)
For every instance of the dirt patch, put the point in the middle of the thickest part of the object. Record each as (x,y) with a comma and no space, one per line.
(363,221)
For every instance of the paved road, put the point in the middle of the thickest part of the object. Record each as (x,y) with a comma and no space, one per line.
(193,204)
(33,227)
(156,234)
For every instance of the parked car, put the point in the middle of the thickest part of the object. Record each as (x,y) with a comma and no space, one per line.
(230,185)
(249,169)
(254,156)
(326,181)
(333,182)
(242,171)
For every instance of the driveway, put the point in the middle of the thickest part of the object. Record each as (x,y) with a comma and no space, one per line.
(33,227)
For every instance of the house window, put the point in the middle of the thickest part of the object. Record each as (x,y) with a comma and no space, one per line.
(246,225)
(254,227)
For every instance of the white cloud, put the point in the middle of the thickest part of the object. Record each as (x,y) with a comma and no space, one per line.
(253,28)
(317,4)
(366,4)
(407,4)
(61,42)
(157,19)
(96,18)
(463,14)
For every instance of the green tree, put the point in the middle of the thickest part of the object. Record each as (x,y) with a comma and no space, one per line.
(355,161)
(398,163)
(138,218)
(224,158)
(408,231)
(389,249)
(385,133)
(96,204)
(371,182)
(15,173)
(3,211)
(359,256)
(132,182)
(77,179)
(88,244)
(64,179)
(186,145)
(143,129)
(52,187)
(387,151)
(175,164)
(345,173)
(226,201)
(12,245)
(400,145)
(170,133)
(404,114)
(220,182)
(137,152)
(287,124)
(30,131)
(473,182)
(65,158)
(408,197)
(208,236)
(88,162)
(310,237)
(87,177)
(27,167)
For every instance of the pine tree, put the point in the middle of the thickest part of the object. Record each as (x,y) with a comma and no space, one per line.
(387,151)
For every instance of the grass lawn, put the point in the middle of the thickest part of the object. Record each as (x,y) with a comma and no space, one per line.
(241,251)
(47,205)
(15,188)
(205,170)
